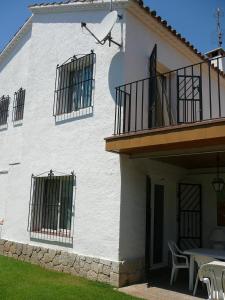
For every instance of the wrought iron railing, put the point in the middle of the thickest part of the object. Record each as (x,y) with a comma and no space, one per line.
(187,95)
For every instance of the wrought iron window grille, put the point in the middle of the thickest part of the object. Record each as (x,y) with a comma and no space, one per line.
(18,104)
(4,109)
(51,209)
(74,85)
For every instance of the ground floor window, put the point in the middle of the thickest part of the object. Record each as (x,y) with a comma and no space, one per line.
(52,207)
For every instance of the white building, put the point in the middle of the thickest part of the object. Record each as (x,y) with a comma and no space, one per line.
(110,214)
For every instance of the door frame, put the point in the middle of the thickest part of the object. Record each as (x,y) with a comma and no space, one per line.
(162,263)
(149,235)
(148,227)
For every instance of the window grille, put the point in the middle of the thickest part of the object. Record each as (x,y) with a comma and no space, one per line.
(51,211)
(4,109)
(74,85)
(18,105)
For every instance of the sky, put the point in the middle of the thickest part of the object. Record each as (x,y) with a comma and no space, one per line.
(194,19)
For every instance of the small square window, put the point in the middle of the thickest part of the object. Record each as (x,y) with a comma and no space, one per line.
(18,105)
(74,85)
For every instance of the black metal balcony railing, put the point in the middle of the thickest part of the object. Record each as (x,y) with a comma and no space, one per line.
(187,95)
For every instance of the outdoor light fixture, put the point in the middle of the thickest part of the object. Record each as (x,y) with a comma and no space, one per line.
(218,182)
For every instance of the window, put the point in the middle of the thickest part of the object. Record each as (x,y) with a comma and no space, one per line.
(51,207)
(74,85)
(18,106)
(4,109)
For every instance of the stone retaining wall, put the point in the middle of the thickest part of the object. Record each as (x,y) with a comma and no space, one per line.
(115,273)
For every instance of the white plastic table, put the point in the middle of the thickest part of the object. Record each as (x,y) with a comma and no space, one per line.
(214,253)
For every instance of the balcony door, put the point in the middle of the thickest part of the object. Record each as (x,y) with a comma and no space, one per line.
(189,99)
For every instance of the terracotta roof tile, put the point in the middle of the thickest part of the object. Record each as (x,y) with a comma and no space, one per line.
(165,24)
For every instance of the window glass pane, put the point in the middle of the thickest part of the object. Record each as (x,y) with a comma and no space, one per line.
(51,204)
(66,203)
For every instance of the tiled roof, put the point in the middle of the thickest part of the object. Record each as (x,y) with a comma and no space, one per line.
(176,34)
(164,23)
(60,3)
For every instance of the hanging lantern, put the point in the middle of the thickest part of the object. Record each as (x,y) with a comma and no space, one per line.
(218,182)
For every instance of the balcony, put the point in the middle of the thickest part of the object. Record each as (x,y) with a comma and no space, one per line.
(180,110)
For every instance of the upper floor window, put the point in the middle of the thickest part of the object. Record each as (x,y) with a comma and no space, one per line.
(74,85)
(18,106)
(4,109)
(51,207)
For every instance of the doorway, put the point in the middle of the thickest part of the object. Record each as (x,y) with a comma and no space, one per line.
(154,242)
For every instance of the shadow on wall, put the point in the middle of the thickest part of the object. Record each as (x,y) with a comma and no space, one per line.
(14,52)
(116,73)
(132,210)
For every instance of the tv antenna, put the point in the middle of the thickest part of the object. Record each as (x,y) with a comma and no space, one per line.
(219,14)
(103,32)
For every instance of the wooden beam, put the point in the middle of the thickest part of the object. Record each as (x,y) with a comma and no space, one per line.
(196,135)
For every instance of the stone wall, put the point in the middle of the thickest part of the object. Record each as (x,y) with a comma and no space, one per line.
(115,273)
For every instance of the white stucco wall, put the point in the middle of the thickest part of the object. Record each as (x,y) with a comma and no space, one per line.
(110,190)
(41,144)
(140,41)
(133,202)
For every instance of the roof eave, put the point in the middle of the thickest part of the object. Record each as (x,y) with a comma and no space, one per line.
(19,34)
(68,7)
(169,28)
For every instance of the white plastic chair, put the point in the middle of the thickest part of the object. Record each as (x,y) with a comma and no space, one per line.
(179,261)
(201,260)
(212,274)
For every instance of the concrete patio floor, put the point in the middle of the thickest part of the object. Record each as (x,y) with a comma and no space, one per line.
(158,287)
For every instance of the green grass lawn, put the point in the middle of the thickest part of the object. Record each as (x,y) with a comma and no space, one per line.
(23,281)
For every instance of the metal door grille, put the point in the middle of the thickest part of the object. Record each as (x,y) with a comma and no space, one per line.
(189,96)
(189,216)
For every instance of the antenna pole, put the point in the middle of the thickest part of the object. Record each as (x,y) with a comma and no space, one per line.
(219,31)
